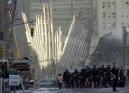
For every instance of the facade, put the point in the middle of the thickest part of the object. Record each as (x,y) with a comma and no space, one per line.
(112,16)
(45,43)
(81,40)
(62,15)
(2,22)
(8,45)
(76,47)
(62,11)
(21,41)
(4,31)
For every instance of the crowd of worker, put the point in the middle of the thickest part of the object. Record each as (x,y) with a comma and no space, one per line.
(93,77)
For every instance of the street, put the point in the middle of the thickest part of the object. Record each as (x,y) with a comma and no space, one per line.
(88,90)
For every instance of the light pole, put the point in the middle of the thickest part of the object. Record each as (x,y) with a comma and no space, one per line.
(124,46)
(125,49)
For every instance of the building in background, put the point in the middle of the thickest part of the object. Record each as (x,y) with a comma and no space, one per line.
(112,16)
(3,30)
(81,40)
(6,39)
(45,43)
(62,12)
(50,28)
(20,29)
(62,16)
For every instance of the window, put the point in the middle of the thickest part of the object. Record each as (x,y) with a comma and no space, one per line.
(32,32)
(113,3)
(109,16)
(127,2)
(104,15)
(113,13)
(104,6)
(108,4)
(54,10)
(1,36)
(114,25)
(104,2)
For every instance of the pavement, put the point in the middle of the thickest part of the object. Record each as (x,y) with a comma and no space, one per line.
(84,90)
(76,90)
(96,90)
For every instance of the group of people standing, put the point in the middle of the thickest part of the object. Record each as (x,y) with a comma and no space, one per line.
(93,77)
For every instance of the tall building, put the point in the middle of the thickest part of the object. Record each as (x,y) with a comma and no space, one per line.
(81,40)
(112,16)
(62,11)
(20,30)
(4,30)
(43,42)
(2,25)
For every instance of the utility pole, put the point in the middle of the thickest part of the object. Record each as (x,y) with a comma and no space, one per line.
(124,46)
